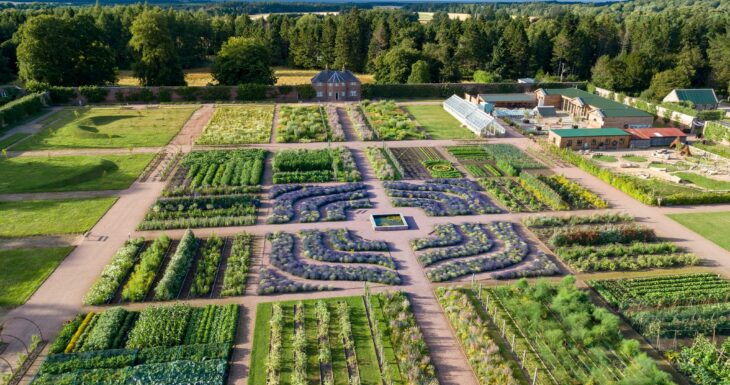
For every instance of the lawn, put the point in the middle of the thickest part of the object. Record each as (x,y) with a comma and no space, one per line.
(438,123)
(605,158)
(70,173)
(24,270)
(72,216)
(703,181)
(101,127)
(714,148)
(12,139)
(711,225)
(634,158)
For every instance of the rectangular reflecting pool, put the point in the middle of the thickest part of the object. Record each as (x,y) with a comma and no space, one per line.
(386,222)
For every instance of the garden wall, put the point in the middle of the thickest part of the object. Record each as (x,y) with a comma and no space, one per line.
(445,90)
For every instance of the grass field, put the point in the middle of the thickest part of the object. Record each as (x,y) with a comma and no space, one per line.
(438,123)
(605,158)
(70,173)
(23,271)
(109,128)
(634,158)
(703,181)
(72,216)
(711,225)
(714,148)
(363,342)
(202,77)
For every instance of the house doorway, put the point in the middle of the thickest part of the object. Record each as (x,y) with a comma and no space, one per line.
(337,96)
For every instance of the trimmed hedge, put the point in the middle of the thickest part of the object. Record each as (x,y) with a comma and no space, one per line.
(444,90)
(20,109)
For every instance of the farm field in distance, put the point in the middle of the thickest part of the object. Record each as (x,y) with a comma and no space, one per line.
(108,127)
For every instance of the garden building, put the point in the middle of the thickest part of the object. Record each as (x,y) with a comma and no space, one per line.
(700,98)
(590,138)
(504,100)
(655,137)
(592,110)
(473,117)
(332,86)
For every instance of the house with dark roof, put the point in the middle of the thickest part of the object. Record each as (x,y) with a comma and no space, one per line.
(593,111)
(700,98)
(590,138)
(331,86)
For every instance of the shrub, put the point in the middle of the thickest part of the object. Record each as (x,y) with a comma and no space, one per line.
(306,91)
(251,92)
(94,94)
(21,108)
(188,94)
(164,95)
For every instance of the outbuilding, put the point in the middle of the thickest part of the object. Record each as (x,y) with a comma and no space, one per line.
(655,137)
(590,138)
(594,111)
(700,98)
(513,100)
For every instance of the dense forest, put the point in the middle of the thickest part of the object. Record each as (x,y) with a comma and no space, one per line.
(640,46)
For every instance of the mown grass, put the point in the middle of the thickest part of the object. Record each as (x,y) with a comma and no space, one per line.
(711,225)
(70,173)
(605,158)
(438,123)
(12,139)
(102,127)
(634,158)
(22,271)
(703,181)
(73,216)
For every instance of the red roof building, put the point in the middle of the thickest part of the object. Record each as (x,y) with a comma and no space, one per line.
(654,137)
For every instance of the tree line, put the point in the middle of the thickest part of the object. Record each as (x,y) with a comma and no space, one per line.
(647,46)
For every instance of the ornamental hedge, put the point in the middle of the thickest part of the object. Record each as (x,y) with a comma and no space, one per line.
(20,109)
(444,90)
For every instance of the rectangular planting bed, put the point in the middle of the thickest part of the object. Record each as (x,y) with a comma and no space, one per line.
(388,222)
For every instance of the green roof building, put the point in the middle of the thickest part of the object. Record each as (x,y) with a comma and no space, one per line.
(593,111)
(590,138)
(700,98)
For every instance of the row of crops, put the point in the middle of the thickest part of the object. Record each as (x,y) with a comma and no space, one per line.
(210,189)
(502,169)
(324,256)
(315,166)
(607,242)
(455,251)
(166,269)
(389,121)
(546,333)
(172,344)
(245,124)
(371,339)
(686,315)
(308,124)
